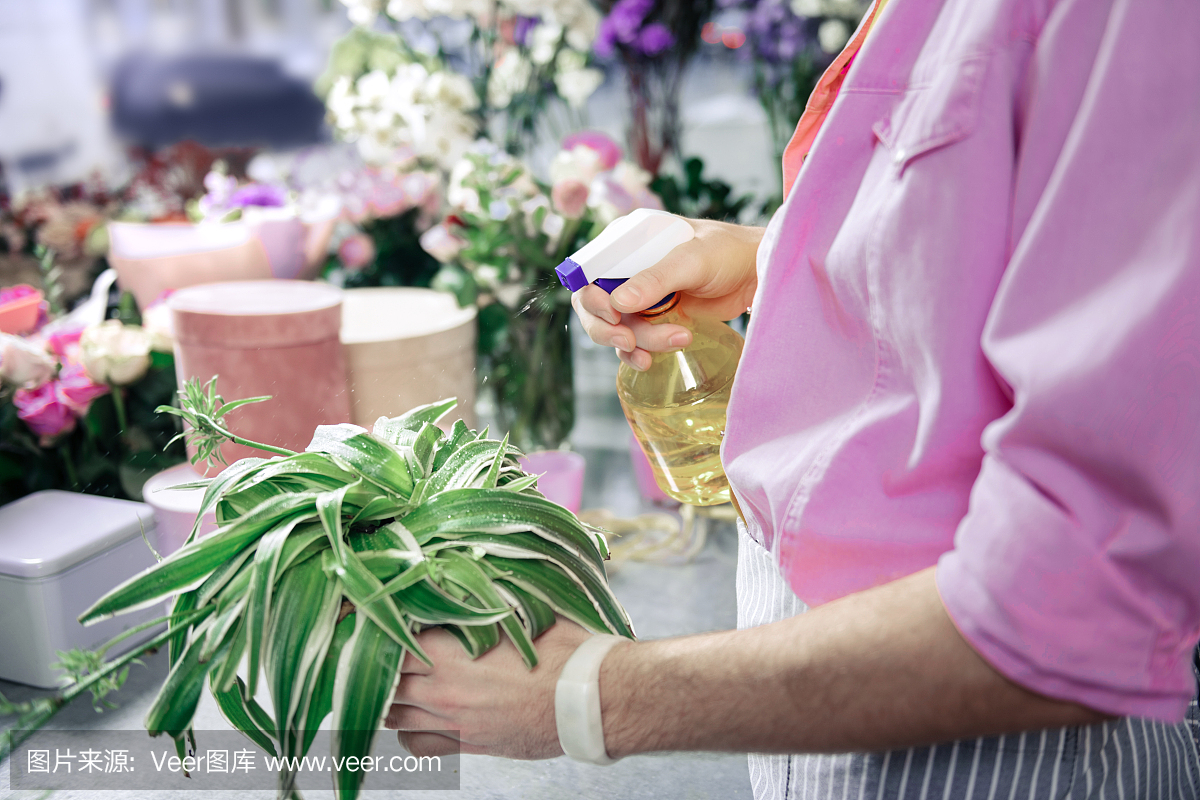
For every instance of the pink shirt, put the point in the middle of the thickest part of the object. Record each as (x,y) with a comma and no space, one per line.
(976,340)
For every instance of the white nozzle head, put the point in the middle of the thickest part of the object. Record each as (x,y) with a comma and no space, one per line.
(627,246)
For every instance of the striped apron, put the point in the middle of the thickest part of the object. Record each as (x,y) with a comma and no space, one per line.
(1125,759)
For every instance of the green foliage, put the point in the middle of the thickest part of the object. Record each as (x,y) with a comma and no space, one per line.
(404,527)
(694,196)
(399,258)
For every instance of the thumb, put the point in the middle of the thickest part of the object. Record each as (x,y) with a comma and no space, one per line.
(681,270)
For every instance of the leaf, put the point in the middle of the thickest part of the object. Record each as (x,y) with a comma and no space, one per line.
(476,639)
(412,420)
(359,585)
(498,511)
(459,435)
(537,615)
(260,610)
(554,586)
(467,574)
(368,673)
(584,574)
(191,563)
(466,464)
(367,456)
(233,708)
(321,702)
(228,477)
(175,705)
(301,628)
(428,603)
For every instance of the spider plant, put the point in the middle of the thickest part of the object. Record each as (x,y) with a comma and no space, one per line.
(326,564)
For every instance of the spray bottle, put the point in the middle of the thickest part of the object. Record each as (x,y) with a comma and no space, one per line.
(676,407)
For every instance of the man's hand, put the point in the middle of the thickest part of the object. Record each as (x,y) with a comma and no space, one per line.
(715,271)
(496,705)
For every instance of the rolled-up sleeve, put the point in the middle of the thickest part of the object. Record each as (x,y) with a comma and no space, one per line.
(1076,571)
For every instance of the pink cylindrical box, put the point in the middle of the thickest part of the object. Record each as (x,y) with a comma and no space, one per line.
(277,338)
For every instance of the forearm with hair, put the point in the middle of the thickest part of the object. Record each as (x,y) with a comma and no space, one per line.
(878,670)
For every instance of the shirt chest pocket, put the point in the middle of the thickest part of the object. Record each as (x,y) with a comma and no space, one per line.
(935,113)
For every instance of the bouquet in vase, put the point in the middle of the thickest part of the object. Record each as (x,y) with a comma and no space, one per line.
(505,234)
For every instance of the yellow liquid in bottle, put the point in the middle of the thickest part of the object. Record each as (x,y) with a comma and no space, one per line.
(677,407)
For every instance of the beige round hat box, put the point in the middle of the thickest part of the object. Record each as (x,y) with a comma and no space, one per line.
(406,347)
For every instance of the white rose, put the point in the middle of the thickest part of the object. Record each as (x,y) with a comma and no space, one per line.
(577,85)
(407,9)
(372,88)
(452,89)
(115,353)
(23,363)
(160,327)
(543,42)
(833,35)
(631,177)
(361,12)
(510,294)
(553,226)
(446,136)
(580,163)
(510,76)
(441,243)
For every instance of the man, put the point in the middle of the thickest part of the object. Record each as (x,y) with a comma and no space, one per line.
(965,428)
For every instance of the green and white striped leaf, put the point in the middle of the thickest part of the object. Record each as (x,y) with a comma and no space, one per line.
(371,458)
(497,511)
(263,575)
(467,574)
(359,585)
(467,464)
(301,628)
(368,673)
(389,429)
(321,701)
(193,563)
(233,707)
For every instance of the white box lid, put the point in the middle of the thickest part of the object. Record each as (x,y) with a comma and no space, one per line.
(49,532)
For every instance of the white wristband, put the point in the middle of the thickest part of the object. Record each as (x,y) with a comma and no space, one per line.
(577,701)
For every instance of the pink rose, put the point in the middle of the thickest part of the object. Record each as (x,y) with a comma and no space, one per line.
(609,151)
(64,343)
(76,389)
(570,198)
(356,251)
(44,411)
(441,243)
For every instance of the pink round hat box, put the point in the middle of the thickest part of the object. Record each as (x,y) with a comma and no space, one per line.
(277,338)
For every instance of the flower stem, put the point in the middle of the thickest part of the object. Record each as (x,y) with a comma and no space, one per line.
(119,404)
(65,451)
(257,445)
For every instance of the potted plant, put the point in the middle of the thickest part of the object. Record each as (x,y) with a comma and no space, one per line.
(327,563)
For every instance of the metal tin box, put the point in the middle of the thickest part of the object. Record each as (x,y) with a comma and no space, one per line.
(59,553)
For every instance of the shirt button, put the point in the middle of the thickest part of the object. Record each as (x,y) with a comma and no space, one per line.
(901,155)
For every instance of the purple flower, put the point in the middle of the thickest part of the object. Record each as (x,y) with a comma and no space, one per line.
(654,39)
(522,25)
(623,24)
(258,194)
(606,40)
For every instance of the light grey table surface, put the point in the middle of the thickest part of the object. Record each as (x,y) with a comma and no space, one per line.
(661,600)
